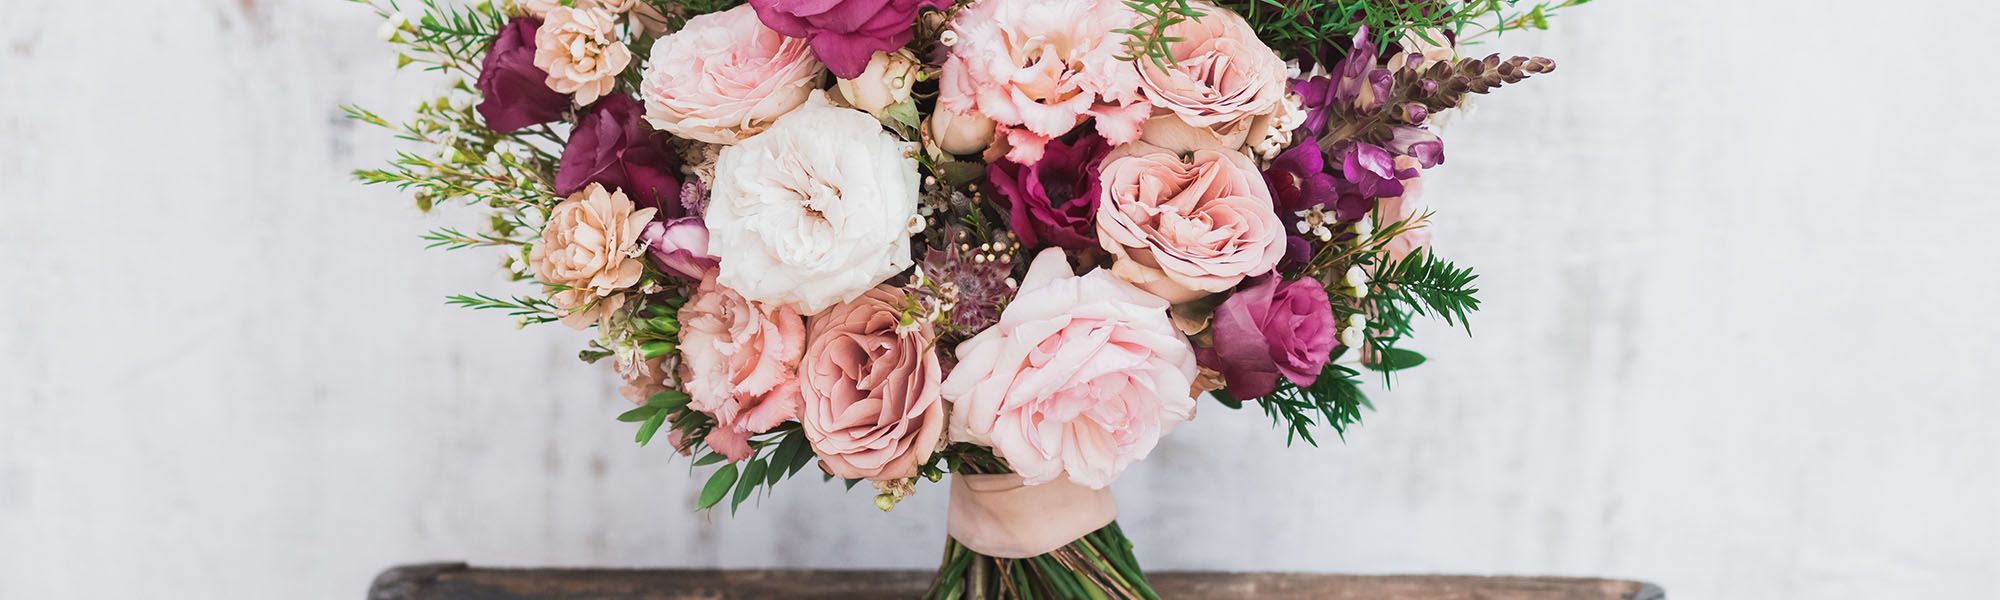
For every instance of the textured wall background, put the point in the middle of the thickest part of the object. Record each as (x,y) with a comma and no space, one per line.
(1740,340)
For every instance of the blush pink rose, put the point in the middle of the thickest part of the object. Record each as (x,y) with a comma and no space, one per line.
(1079,378)
(871,388)
(1186,223)
(1038,68)
(725,76)
(739,362)
(1222,77)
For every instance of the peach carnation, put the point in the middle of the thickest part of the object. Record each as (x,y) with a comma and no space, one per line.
(580,49)
(589,253)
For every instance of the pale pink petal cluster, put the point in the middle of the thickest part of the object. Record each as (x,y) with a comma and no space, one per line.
(588,253)
(740,361)
(580,49)
(725,76)
(1039,68)
(1079,379)
(1184,223)
(1222,78)
(1403,208)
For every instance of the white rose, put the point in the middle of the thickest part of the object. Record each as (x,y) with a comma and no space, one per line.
(815,210)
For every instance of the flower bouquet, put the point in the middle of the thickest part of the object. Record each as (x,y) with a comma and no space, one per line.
(1008,242)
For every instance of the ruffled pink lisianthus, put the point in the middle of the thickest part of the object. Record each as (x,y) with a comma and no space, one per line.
(1039,68)
(1187,222)
(871,388)
(1271,328)
(1080,378)
(740,364)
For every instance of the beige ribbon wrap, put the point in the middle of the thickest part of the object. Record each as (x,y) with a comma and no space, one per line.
(998,516)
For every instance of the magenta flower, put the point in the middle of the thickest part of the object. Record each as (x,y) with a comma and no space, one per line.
(514,92)
(1299,180)
(1271,328)
(844,34)
(613,146)
(1052,202)
(679,247)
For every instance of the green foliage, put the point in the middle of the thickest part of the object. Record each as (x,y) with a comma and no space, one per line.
(1426,285)
(530,310)
(1149,40)
(1334,400)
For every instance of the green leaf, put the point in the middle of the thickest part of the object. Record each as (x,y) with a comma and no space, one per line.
(903,114)
(718,485)
(709,459)
(638,414)
(956,173)
(753,474)
(670,400)
(1396,359)
(851,482)
(786,454)
(654,350)
(651,426)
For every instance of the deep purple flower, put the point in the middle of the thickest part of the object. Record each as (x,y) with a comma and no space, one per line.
(1271,328)
(1054,201)
(1419,143)
(1299,180)
(612,145)
(679,246)
(844,34)
(514,92)
(1371,171)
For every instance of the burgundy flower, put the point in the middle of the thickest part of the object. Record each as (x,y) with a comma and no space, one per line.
(514,92)
(1271,328)
(1052,202)
(844,34)
(613,146)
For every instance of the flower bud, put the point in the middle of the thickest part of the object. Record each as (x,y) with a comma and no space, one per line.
(961,133)
(886,81)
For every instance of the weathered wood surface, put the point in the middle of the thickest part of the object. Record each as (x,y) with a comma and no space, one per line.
(456,581)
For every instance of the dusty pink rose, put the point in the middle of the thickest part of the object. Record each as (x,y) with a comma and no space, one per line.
(1222,77)
(1039,68)
(1403,208)
(725,76)
(739,361)
(871,388)
(1080,378)
(1186,223)
(580,49)
(587,251)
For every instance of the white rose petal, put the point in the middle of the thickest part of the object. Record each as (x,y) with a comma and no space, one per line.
(815,210)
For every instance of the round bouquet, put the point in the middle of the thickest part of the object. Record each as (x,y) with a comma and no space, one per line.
(1011,243)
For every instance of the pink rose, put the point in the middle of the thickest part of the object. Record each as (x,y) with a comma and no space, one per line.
(1222,77)
(739,362)
(1038,68)
(1403,208)
(1186,223)
(871,388)
(1081,377)
(724,77)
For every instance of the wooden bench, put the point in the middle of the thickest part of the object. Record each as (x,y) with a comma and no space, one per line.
(456,581)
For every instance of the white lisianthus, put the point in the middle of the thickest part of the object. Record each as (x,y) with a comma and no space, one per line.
(815,210)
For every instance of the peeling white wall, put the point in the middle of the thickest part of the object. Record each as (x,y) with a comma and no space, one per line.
(1740,335)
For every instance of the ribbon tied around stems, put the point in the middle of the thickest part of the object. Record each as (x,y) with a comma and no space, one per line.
(996,515)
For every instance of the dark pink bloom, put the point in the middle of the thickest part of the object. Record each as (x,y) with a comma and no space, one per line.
(1299,180)
(613,146)
(514,93)
(844,34)
(1271,328)
(1052,202)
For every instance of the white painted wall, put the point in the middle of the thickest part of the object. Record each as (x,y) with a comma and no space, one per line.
(1740,336)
